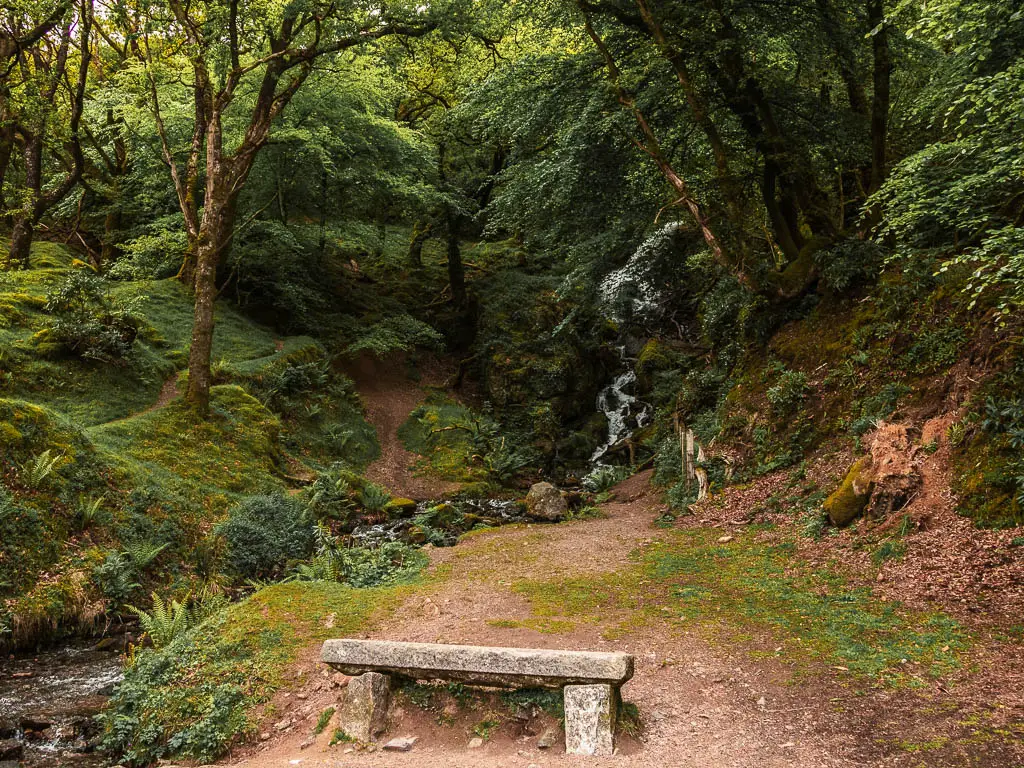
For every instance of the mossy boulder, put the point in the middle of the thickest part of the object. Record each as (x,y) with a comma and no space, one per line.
(655,356)
(852,496)
(399,508)
(443,516)
(545,502)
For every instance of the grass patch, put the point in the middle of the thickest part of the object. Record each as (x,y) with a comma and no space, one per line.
(323,720)
(340,737)
(752,587)
(235,451)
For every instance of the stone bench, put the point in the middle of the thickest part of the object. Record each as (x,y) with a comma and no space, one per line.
(589,680)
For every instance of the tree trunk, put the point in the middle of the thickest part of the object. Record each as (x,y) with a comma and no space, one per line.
(25,219)
(215,231)
(880,100)
(217,226)
(456,270)
(420,235)
(21,243)
(6,150)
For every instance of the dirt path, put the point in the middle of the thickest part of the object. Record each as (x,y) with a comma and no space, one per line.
(702,706)
(389,395)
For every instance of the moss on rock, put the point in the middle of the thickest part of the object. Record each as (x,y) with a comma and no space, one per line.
(851,497)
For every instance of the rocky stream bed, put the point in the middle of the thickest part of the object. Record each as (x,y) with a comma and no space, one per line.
(49,700)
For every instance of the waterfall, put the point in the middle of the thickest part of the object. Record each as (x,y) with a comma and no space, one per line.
(630,294)
(623,410)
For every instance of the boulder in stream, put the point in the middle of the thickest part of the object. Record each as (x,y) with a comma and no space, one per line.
(545,502)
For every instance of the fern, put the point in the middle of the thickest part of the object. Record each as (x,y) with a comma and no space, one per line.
(89,510)
(143,553)
(374,497)
(168,620)
(34,472)
(165,622)
(205,604)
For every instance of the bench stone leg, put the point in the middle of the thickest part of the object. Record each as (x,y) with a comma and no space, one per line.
(363,709)
(590,713)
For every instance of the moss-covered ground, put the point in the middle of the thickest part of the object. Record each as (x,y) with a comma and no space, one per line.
(98,454)
(200,694)
(754,589)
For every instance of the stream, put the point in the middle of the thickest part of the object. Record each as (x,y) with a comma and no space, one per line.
(48,701)
(446,520)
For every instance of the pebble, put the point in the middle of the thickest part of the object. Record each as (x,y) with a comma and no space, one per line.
(401,744)
(724,539)
(264,736)
(476,743)
(548,739)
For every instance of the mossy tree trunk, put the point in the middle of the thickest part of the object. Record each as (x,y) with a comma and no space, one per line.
(420,234)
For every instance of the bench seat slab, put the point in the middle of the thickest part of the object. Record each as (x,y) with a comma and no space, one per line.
(479,665)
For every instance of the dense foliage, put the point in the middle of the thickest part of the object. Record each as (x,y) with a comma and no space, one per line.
(777,223)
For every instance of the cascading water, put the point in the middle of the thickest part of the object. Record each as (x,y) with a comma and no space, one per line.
(624,411)
(630,294)
(48,702)
(467,513)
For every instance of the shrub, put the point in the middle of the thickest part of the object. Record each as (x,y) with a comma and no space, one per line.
(263,533)
(116,577)
(788,392)
(89,322)
(849,263)
(281,389)
(399,333)
(876,407)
